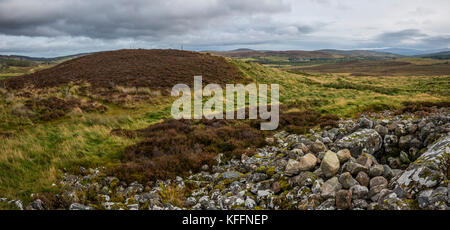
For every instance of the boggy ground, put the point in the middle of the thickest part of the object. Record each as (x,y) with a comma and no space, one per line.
(379,161)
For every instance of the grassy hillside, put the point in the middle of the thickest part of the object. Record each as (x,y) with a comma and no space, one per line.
(397,67)
(346,95)
(441,55)
(34,151)
(301,58)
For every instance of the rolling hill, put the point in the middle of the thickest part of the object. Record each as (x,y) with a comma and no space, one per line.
(440,55)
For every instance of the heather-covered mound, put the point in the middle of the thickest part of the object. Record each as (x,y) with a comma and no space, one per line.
(154,69)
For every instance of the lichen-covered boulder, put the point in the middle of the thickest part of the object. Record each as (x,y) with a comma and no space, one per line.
(367,139)
(428,171)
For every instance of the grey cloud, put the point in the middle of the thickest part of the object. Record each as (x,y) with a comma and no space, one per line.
(400,35)
(102,19)
(62,27)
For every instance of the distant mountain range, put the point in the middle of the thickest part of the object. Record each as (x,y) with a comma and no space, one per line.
(303,55)
(439,55)
(289,54)
(41,59)
(410,52)
(332,53)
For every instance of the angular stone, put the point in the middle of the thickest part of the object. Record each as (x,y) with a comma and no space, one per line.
(343,199)
(77,206)
(363,179)
(428,170)
(388,173)
(383,131)
(330,164)
(379,180)
(307,162)
(424,198)
(292,168)
(347,180)
(404,142)
(365,161)
(318,147)
(304,179)
(367,139)
(359,192)
(376,170)
(343,155)
(330,187)
(355,168)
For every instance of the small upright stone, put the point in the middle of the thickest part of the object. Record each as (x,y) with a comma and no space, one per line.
(330,164)
(347,180)
(343,199)
(363,179)
(292,168)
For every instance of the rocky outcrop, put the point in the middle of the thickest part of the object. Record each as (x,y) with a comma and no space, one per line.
(429,171)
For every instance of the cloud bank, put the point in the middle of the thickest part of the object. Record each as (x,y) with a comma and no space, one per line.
(57,27)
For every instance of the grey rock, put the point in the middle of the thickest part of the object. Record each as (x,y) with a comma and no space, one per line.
(427,171)
(379,180)
(390,143)
(304,179)
(440,194)
(37,205)
(354,168)
(250,203)
(346,180)
(424,198)
(231,175)
(19,204)
(404,142)
(263,194)
(133,207)
(388,173)
(359,204)
(330,187)
(365,123)
(190,201)
(376,170)
(292,168)
(366,139)
(359,192)
(328,204)
(77,206)
(383,131)
(318,147)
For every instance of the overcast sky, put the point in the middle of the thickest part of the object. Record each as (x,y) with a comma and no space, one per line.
(62,27)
